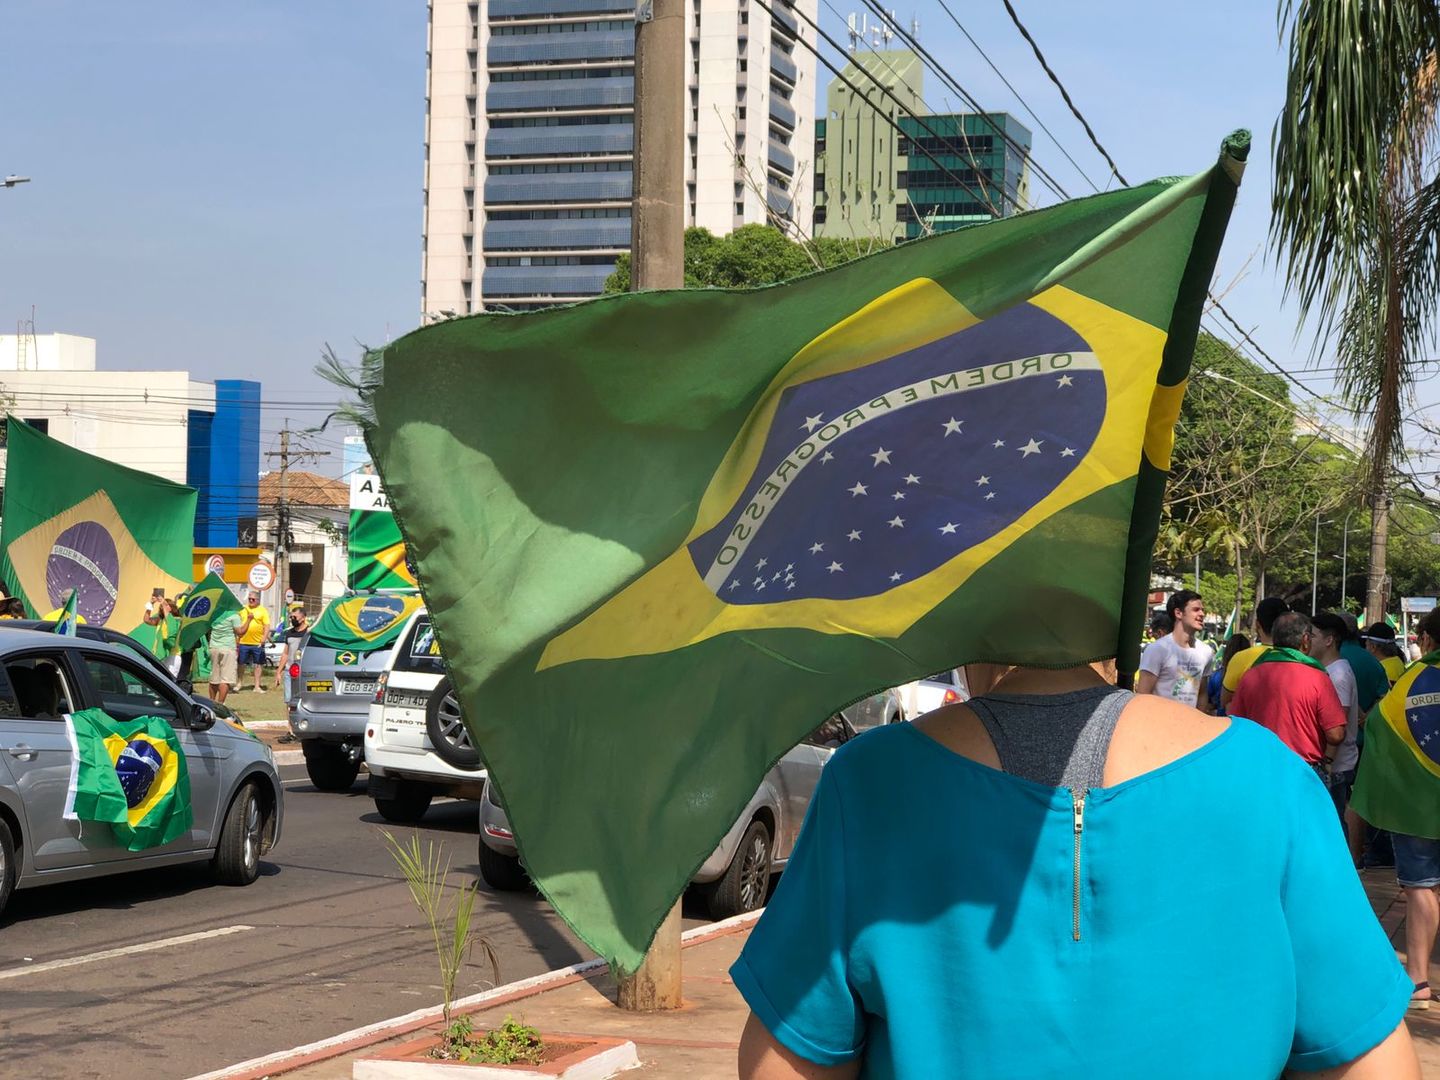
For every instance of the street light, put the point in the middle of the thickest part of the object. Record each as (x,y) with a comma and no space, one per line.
(1315,573)
(12,180)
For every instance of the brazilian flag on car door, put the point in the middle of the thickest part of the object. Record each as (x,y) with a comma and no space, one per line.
(130,775)
(363,624)
(662,535)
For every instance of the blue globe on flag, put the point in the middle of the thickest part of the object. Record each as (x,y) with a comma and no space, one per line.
(198,607)
(137,767)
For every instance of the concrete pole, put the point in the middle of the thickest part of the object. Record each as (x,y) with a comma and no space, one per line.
(657,261)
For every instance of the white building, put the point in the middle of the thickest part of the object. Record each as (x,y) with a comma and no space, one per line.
(529,135)
(203,434)
(134,418)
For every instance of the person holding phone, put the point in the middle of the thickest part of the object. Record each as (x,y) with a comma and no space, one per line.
(254,622)
(162,613)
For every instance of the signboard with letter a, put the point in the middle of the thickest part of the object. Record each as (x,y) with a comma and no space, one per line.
(377,550)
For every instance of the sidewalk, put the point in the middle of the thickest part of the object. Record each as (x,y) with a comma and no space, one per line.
(698,1041)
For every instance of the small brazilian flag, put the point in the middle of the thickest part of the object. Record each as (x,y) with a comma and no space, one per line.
(1398,785)
(207,602)
(129,774)
(364,623)
(664,535)
(67,623)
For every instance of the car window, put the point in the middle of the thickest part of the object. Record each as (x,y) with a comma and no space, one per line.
(126,693)
(419,650)
(832,733)
(36,688)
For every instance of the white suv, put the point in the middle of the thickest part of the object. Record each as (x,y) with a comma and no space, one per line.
(416,746)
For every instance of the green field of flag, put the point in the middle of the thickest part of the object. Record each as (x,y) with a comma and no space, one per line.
(130,775)
(662,536)
(73,521)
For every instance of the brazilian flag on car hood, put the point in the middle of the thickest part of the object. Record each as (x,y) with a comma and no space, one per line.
(130,775)
(663,535)
(364,623)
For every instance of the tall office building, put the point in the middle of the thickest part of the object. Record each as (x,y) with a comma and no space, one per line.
(946,170)
(529,136)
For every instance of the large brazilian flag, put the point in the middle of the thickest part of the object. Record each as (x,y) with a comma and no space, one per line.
(362,624)
(1398,785)
(76,521)
(663,535)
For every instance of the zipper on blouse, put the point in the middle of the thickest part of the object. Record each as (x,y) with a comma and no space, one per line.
(1079,817)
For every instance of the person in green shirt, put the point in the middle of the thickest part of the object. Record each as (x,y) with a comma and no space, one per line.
(224,671)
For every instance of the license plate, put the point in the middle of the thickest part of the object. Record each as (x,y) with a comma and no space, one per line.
(319,686)
(357,686)
(406,701)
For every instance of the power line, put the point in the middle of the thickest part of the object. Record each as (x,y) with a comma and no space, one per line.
(1023,103)
(880,112)
(1040,56)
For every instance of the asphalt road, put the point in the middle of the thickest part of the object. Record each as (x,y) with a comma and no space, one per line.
(330,940)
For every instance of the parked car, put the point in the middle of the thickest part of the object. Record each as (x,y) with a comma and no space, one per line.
(329,704)
(736,876)
(928,694)
(235,792)
(416,745)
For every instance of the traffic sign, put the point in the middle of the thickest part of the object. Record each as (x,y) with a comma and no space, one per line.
(262,575)
(215,564)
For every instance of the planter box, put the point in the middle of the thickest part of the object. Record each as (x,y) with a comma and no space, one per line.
(574,1057)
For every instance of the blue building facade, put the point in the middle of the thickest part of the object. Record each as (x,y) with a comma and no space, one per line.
(224,465)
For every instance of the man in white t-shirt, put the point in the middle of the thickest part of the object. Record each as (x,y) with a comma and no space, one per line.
(1325,642)
(1175,665)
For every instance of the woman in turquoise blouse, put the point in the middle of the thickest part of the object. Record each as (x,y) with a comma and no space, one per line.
(1192,913)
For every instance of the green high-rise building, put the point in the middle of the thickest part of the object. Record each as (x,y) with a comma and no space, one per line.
(872,182)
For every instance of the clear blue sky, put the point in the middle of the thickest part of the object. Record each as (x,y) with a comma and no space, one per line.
(227,188)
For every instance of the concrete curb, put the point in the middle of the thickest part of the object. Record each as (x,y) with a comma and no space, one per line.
(284,1061)
(289,757)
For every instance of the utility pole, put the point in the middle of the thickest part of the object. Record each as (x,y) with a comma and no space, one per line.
(282,506)
(657,261)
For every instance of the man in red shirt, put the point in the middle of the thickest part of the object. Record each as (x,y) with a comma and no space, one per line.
(1291,694)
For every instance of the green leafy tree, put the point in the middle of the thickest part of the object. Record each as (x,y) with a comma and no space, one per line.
(751,256)
(1357,209)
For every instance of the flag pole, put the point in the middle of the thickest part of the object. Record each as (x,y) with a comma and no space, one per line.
(657,261)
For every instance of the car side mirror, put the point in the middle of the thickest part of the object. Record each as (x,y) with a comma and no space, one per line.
(201,717)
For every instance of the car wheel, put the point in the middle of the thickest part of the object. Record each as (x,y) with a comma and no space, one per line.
(329,765)
(8,870)
(407,806)
(503,873)
(447,730)
(237,855)
(746,883)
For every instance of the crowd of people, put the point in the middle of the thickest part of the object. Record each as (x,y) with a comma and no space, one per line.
(1311,680)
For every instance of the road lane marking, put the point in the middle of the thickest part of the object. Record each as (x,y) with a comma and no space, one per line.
(127,950)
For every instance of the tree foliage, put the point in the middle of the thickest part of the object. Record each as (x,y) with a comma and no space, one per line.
(751,256)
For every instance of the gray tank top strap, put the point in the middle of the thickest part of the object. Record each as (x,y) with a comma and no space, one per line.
(1059,740)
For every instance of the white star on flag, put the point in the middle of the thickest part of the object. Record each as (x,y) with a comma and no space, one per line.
(912,479)
(834,566)
(1032,447)
(897,522)
(1067,452)
(881,456)
(854,534)
(1064,380)
(990,495)
(812,422)
(998,443)
(761,564)
(898,495)
(826,457)
(816,548)
(982,481)
(952,426)
(734,583)
(858,489)
(948,528)
(895,576)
